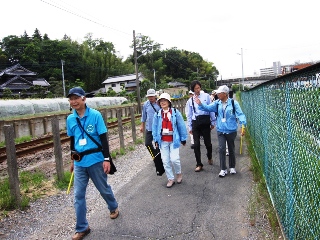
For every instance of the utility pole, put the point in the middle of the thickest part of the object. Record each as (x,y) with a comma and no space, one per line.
(242,69)
(64,87)
(154,78)
(136,69)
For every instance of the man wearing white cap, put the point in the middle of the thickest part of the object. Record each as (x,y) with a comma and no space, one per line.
(149,108)
(228,111)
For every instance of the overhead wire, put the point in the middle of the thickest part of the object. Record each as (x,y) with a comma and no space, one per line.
(63,8)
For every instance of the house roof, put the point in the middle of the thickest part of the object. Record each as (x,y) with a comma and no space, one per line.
(17,70)
(16,82)
(300,66)
(41,82)
(122,78)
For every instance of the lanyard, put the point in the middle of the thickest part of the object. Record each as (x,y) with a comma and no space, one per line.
(152,106)
(224,109)
(82,127)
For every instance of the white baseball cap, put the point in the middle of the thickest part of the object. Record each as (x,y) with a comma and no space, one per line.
(151,93)
(222,89)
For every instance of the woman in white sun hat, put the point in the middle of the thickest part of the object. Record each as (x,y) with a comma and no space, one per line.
(169,132)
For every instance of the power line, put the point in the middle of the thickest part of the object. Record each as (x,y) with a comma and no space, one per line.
(62,8)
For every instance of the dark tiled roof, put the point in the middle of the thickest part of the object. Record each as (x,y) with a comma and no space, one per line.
(16,82)
(17,70)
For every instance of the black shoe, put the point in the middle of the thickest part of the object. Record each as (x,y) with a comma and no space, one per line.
(192,146)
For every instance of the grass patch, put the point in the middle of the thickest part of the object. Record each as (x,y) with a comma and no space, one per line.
(122,151)
(33,185)
(18,140)
(113,154)
(260,198)
(139,141)
(23,139)
(131,148)
(64,183)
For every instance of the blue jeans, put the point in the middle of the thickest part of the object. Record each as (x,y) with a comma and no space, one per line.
(170,156)
(81,179)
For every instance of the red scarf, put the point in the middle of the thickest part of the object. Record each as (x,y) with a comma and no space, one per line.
(166,123)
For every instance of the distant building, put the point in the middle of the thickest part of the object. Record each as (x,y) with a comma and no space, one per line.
(277,69)
(176,84)
(19,80)
(291,68)
(127,82)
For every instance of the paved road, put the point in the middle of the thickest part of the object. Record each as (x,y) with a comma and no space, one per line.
(203,206)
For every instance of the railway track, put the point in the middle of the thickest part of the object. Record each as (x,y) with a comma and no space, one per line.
(46,142)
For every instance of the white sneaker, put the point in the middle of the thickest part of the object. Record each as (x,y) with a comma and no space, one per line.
(223,173)
(227,152)
(233,171)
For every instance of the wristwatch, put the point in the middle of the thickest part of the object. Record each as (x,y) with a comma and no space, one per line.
(106,160)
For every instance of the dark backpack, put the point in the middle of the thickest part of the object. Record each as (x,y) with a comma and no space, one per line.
(233,109)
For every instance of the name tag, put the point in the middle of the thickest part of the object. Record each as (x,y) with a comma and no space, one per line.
(223,120)
(165,130)
(82,142)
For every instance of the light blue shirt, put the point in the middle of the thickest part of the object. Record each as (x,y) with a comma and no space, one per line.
(178,125)
(225,111)
(93,123)
(194,111)
(148,112)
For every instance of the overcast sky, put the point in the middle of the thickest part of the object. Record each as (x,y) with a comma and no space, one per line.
(267,31)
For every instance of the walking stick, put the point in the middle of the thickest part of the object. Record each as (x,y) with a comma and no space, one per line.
(242,130)
(70,183)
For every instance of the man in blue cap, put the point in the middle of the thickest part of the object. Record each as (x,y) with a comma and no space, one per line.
(91,158)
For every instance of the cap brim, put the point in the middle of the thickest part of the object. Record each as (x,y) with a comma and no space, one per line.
(78,94)
(221,91)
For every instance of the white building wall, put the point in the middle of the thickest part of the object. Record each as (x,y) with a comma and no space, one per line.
(117,88)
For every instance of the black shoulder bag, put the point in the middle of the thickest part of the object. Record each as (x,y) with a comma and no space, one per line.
(113,168)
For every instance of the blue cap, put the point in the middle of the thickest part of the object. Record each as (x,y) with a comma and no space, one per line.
(76,91)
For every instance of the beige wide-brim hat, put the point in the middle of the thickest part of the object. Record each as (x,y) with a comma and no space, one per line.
(165,96)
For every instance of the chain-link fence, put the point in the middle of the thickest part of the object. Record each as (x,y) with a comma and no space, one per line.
(284,122)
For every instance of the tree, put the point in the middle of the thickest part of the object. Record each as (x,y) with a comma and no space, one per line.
(111,92)
(89,63)
(7,94)
(145,85)
(37,35)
